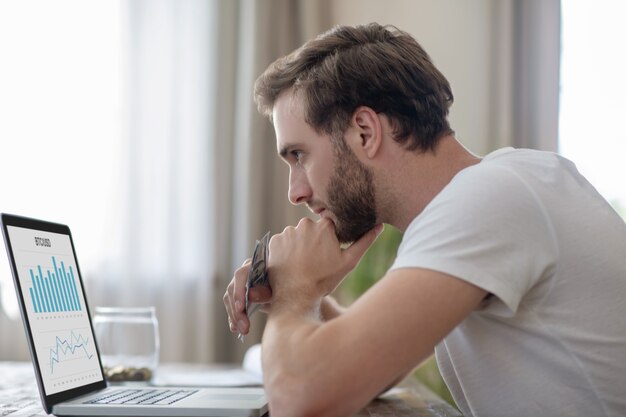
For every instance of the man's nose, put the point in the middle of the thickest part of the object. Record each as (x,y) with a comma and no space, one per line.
(299,188)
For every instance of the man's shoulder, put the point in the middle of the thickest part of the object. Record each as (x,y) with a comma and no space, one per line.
(506,175)
(486,183)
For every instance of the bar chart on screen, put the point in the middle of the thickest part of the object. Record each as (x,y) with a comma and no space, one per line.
(49,275)
(55,290)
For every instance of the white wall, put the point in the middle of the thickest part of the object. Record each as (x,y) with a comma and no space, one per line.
(457,36)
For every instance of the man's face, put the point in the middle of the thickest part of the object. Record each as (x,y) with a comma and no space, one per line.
(328,178)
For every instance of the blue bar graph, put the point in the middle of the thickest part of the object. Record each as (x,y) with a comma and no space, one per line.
(55,291)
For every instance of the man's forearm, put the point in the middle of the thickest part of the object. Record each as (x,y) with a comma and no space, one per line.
(314,368)
(285,362)
(302,368)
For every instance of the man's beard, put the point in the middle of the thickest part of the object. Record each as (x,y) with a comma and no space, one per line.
(351,196)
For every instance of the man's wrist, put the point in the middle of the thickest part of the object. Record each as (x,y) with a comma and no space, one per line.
(295,307)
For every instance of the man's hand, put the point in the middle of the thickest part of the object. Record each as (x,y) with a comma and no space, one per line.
(235,299)
(306,263)
(297,251)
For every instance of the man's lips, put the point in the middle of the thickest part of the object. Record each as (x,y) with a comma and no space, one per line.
(320,211)
(315,210)
(326,214)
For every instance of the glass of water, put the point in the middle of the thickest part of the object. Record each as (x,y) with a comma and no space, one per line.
(128,339)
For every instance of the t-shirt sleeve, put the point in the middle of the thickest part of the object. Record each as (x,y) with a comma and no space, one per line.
(488,228)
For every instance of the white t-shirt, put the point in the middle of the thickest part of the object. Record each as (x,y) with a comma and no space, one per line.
(551,341)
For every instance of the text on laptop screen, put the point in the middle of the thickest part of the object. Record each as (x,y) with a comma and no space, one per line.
(55,305)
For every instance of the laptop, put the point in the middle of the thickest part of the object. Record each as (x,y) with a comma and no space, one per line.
(64,350)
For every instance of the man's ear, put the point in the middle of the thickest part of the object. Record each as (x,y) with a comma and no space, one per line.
(368,131)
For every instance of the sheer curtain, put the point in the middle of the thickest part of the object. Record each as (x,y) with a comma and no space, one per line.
(59,127)
(526,55)
(162,247)
(158,246)
(202,177)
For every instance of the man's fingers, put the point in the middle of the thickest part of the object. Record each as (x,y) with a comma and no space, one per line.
(260,294)
(235,300)
(240,318)
(356,251)
(239,294)
(229,307)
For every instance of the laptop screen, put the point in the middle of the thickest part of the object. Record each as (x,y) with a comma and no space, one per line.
(54,303)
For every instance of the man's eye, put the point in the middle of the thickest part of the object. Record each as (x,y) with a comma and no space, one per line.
(297,155)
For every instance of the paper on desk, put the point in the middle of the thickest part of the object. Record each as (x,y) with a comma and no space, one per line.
(235,377)
(249,374)
(252,361)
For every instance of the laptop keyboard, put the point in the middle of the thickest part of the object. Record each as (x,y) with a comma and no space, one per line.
(143,396)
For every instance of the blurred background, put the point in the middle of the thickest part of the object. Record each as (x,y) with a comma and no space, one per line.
(133,122)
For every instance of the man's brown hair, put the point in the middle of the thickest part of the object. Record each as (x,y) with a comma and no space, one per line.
(371,65)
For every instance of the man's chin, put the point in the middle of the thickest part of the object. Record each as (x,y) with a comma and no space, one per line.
(347,236)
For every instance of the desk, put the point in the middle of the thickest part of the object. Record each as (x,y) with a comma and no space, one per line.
(19,397)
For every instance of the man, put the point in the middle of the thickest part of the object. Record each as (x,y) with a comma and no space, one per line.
(511,266)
